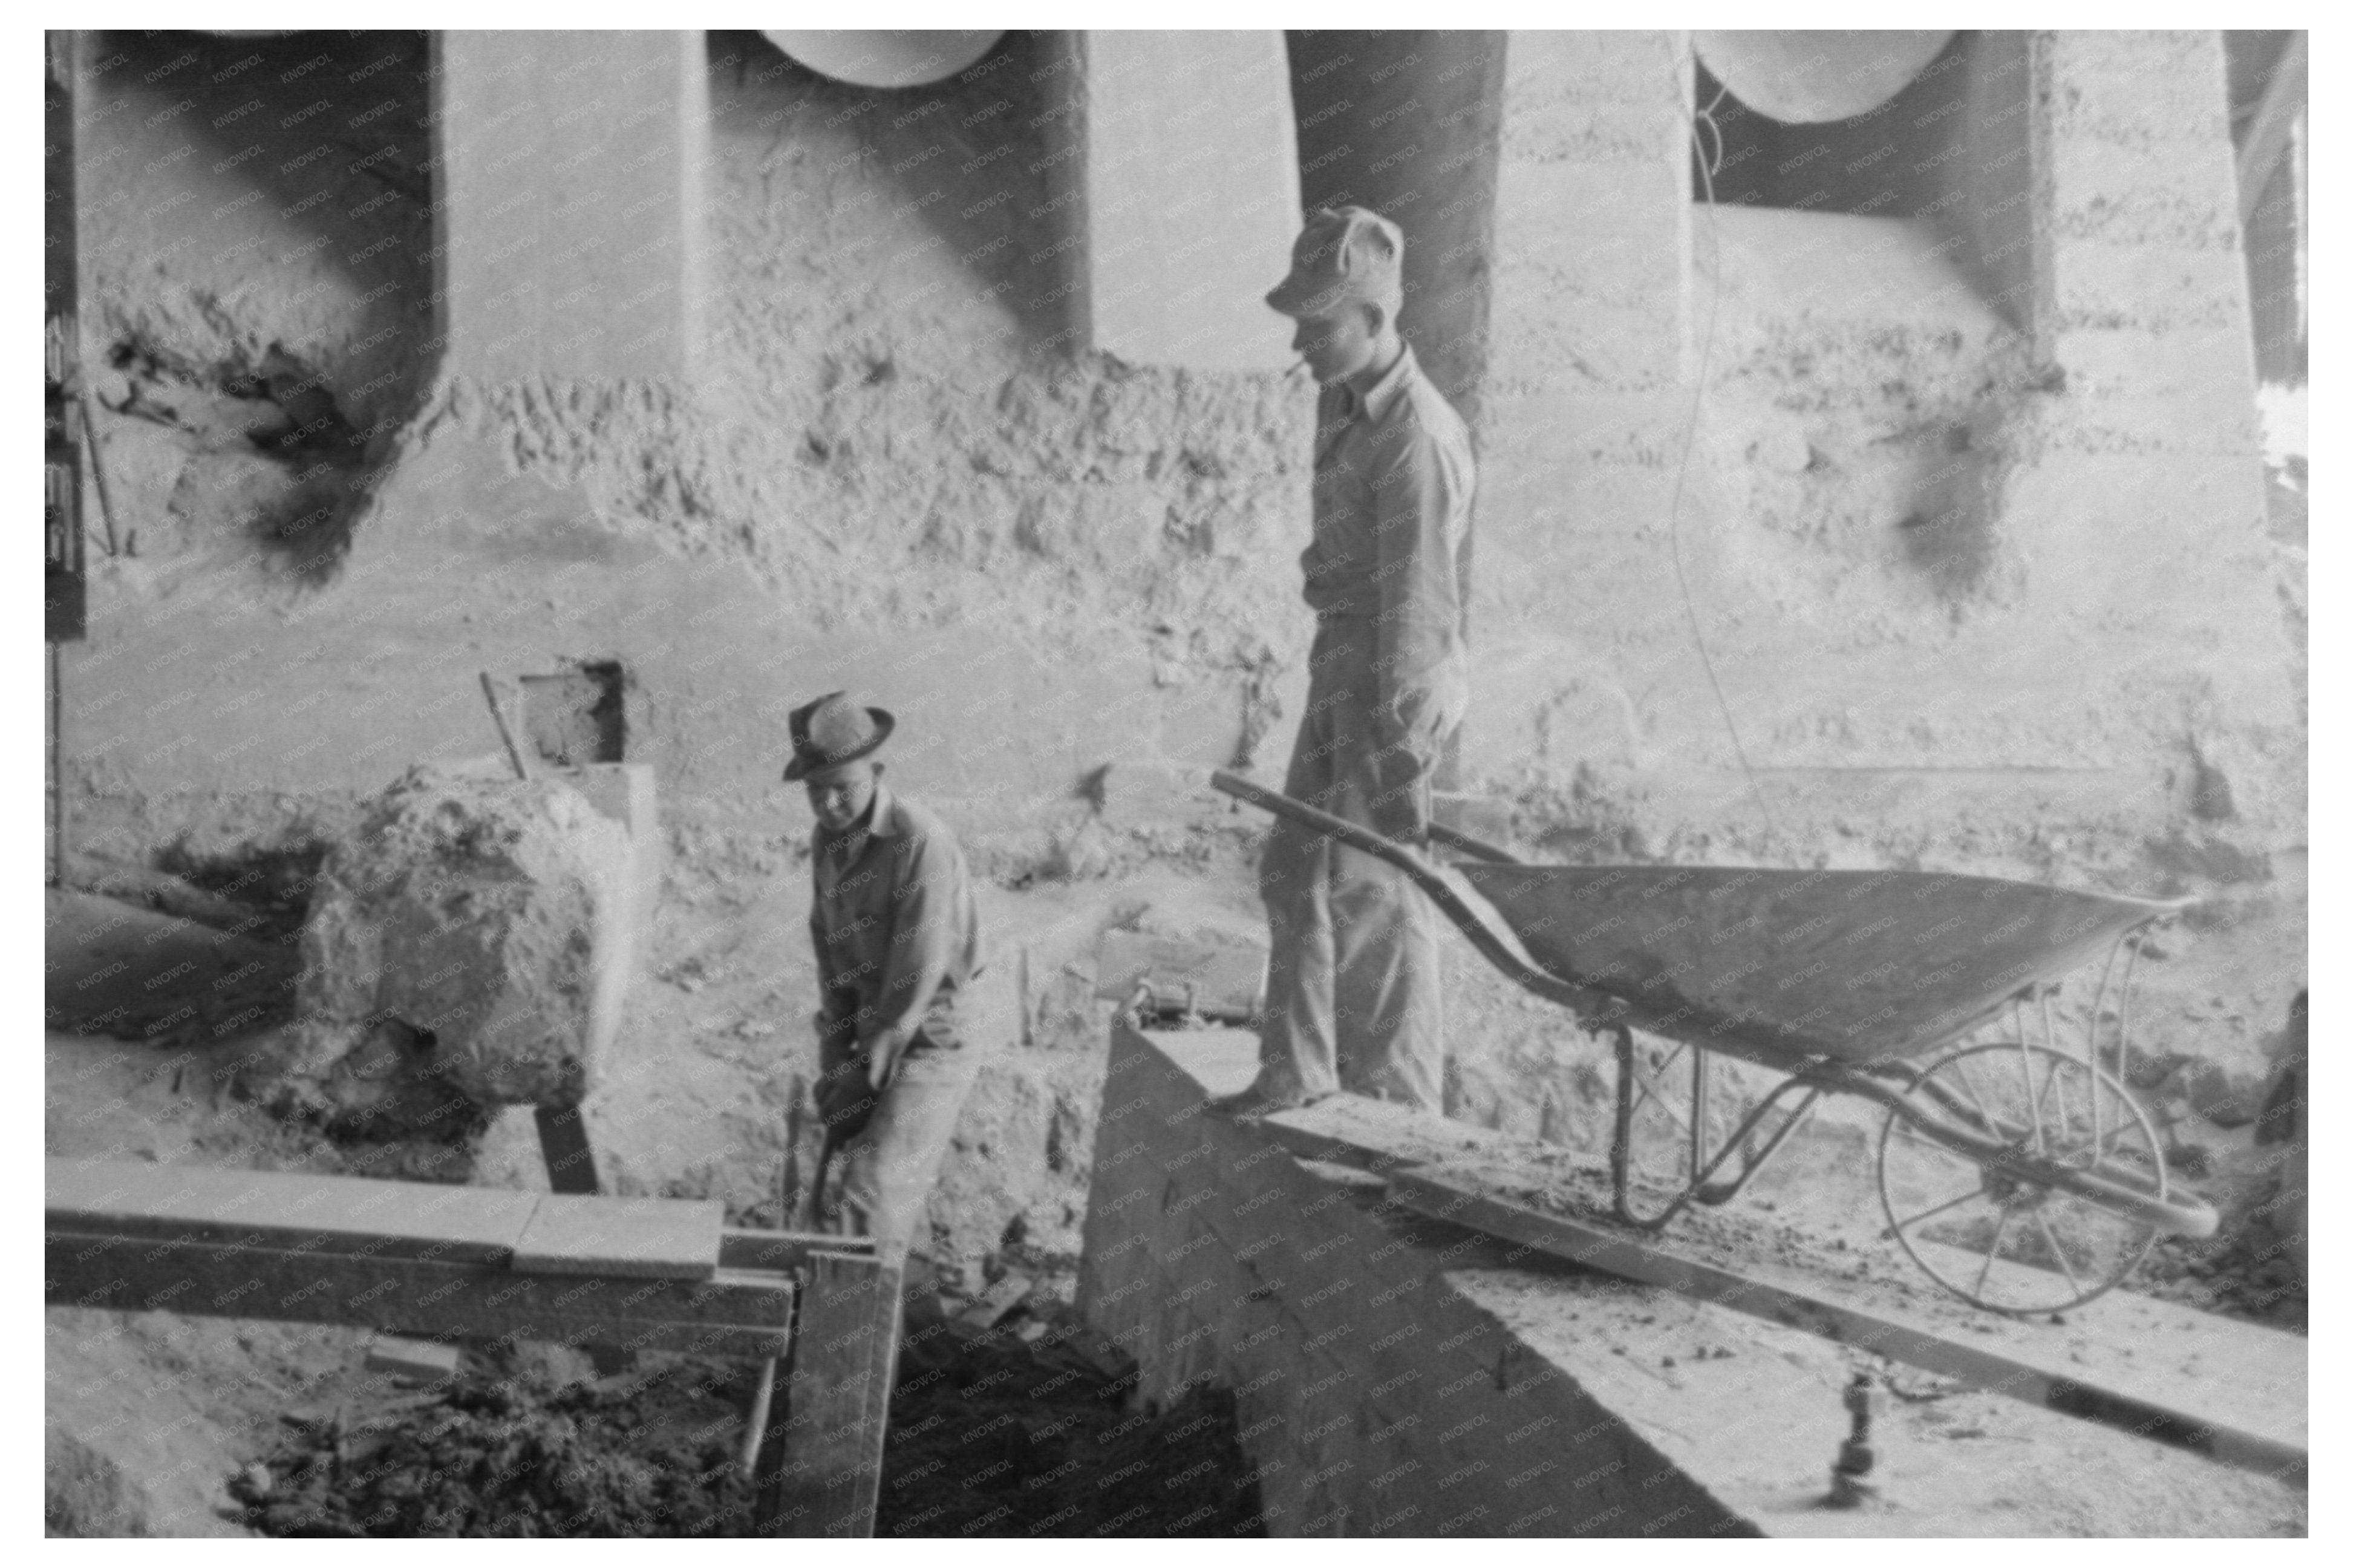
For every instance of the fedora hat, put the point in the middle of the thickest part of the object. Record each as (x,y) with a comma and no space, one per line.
(833,730)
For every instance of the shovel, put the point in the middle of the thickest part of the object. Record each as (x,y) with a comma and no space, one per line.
(799,1211)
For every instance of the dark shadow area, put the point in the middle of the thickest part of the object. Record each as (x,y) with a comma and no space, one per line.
(255,215)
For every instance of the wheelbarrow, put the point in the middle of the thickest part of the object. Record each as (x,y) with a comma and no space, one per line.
(2017,1172)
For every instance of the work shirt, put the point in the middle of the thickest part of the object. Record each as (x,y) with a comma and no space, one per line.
(893,920)
(1393,486)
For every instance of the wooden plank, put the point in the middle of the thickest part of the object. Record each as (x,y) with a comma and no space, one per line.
(1379,1135)
(653,1238)
(426,1360)
(748,1316)
(564,1146)
(784,1249)
(287,1210)
(824,1476)
(1999,1355)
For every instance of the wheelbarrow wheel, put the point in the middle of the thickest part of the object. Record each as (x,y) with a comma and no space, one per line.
(1981,1229)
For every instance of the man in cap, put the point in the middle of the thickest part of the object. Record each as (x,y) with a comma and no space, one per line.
(1353,979)
(897,948)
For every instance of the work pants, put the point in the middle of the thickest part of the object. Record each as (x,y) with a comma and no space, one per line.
(884,1166)
(1353,1001)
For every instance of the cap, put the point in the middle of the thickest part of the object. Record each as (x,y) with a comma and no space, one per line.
(1352,253)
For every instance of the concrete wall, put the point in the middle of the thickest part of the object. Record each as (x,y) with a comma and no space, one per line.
(1396,1375)
(237,193)
(1958,654)
(893,468)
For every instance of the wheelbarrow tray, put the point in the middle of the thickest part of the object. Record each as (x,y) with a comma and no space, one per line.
(1781,966)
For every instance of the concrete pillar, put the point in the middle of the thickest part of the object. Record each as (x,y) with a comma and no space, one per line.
(2150,475)
(1584,403)
(1191,173)
(568,228)
(1593,212)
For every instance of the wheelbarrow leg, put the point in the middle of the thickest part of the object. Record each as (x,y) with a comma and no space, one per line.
(1621,1137)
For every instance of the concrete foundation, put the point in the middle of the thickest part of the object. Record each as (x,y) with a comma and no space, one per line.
(1400,1376)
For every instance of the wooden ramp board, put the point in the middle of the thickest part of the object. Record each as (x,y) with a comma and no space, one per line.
(653,1238)
(2231,1391)
(287,1210)
(747,1315)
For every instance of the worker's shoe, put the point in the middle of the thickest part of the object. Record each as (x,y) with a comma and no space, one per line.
(1253,1102)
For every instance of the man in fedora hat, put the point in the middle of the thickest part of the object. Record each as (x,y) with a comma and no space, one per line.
(897,946)
(1353,979)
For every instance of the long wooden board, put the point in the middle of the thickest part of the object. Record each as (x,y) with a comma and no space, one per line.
(733,1314)
(286,1210)
(2240,1415)
(654,1238)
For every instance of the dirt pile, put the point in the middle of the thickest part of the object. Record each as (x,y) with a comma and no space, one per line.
(501,1459)
(452,952)
(1022,1431)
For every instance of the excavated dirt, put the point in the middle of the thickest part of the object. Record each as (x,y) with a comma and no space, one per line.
(1011,1433)
(505,1459)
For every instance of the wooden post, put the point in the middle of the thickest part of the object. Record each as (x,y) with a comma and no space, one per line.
(822,1464)
(563,1144)
(572,1169)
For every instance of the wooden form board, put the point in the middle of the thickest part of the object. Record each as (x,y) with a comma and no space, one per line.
(663,1238)
(449,1264)
(287,1210)
(746,1315)
(2237,1420)
(653,1238)
(822,1463)
(430,1261)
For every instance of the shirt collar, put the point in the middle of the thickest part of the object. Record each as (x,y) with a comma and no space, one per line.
(1375,404)
(880,821)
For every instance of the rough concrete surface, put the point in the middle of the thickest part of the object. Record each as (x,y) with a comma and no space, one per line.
(1399,1375)
(460,935)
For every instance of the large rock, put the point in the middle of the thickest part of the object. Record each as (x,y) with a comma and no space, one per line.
(460,941)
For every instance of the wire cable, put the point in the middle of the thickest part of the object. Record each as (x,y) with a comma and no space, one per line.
(1707,172)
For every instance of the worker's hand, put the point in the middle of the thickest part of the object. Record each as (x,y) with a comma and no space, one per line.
(844,1094)
(837,1040)
(1419,716)
(881,1055)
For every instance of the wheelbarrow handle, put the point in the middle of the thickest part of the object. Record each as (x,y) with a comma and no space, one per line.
(1474,925)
